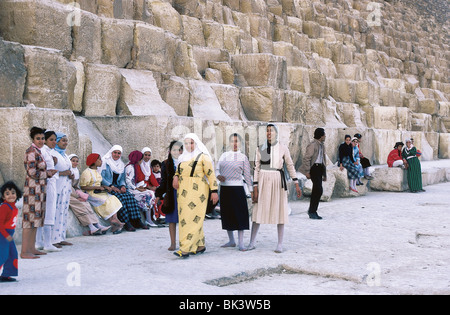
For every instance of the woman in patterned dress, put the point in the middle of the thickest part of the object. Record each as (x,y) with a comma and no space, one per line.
(231,170)
(33,211)
(193,180)
(347,161)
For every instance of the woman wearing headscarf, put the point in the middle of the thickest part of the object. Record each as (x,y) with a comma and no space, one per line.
(145,197)
(270,195)
(413,167)
(63,190)
(44,234)
(166,190)
(145,174)
(104,204)
(193,180)
(79,204)
(113,175)
(233,172)
(33,211)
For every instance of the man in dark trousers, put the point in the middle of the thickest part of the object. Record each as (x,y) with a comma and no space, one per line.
(314,168)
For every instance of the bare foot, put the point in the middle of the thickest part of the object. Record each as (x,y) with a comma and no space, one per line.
(172,247)
(229,244)
(36,252)
(28,256)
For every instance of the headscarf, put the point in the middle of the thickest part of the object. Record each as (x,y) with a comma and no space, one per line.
(145,166)
(134,157)
(92,158)
(59,136)
(199,148)
(75,171)
(116,166)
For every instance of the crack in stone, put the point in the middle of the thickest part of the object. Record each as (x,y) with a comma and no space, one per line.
(248,276)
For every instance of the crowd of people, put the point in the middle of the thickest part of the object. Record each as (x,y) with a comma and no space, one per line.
(177,191)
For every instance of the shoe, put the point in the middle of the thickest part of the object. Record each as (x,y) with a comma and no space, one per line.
(368,177)
(354,190)
(7,279)
(128,227)
(180,254)
(51,249)
(314,216)
(201,251)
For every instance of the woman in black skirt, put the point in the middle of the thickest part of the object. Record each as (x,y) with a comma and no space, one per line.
(231,170)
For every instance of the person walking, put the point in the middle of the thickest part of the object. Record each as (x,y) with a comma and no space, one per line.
(314,168)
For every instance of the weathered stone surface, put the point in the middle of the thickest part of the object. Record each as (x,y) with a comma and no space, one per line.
(228,97)
(87,38)
(117,42)
(262,103)
(261,69)
(444,145)
(139,95)
(102,90)
(175,92)
(40,23)
(389,179)
(204,103)
(225,69)
(166,17)
(12,73)
(78,91)
(51,78)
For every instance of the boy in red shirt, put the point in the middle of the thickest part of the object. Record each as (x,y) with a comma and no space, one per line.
(8,219)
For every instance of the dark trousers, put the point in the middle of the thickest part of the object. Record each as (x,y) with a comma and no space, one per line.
(316,173)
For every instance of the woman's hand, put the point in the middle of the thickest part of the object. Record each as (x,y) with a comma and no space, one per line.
(214,198)
(221,178)
(255,194)
(123,189)
(175,183)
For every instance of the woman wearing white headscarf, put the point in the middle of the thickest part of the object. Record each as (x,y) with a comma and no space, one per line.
(412,164)
(269,186)
(193,180)
(113,176)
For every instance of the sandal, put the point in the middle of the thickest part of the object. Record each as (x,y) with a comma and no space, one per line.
(201,251)
(180,254)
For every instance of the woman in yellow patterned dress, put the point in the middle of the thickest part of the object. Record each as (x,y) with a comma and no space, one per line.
(193,180)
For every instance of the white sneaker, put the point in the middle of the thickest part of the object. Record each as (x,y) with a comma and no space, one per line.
(51,248)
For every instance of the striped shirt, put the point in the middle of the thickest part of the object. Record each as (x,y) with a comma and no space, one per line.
(235,167)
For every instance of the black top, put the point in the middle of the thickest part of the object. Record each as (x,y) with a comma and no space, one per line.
(346,150)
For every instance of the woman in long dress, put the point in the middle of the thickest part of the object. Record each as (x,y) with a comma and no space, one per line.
(144,196)
(80,205)
(113,176)
(412,164)
(44,234)
(166,190)
(33,212)
(233,172)
(270,195)
(63,191)
(193,180)
(104,204)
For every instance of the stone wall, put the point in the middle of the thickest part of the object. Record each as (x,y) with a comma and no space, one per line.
(141,72)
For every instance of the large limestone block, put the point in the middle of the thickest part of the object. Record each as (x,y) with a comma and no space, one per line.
(78,91)
(194,8)
(87,38)
(15,124)
(298,79)
(262,103)
(328,187)
(40,23)
(12,73)
(204,103)
(384,141)
(231,38)
(262,69)
(228,96)
(139,95)
(117,42)
(351,114)
(389,179)
(175,92)
(259,26)
(342,90)
(444,145)
(193,31)
(225,69)
(51,78)
(294,107)
(166,17)
(118,9)
(213,33)
(102,90)
(385,118)
(204,55)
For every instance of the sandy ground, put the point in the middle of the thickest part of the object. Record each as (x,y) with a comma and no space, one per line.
(381,243)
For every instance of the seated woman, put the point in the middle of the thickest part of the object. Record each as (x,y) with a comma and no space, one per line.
(145,174)
(80,205)
(346,160)
(357,158)
(395,156)
(145,197)
(104,204)
(113,176)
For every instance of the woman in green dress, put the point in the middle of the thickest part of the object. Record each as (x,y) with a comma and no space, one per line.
(412,164)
